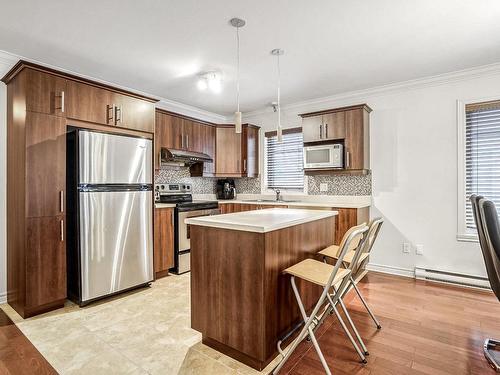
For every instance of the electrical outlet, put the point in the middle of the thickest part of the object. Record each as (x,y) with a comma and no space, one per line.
(419,249)
(406,247)
(323,187)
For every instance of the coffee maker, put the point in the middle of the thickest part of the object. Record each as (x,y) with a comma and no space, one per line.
(226,189)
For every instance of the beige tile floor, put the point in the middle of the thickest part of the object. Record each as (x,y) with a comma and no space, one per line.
(142,332)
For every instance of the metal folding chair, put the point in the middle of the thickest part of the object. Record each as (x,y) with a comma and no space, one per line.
(357,267)
(328,277)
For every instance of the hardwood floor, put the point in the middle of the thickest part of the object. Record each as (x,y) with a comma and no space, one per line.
(18,356)
(427,328)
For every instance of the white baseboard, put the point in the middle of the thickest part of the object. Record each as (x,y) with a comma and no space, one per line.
(446,277)
(406,272)
(3,297)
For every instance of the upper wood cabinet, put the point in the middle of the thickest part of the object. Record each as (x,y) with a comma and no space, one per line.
(348,126)
(99,105)
(237,154)
(182,133)
(228,152)
(45,93)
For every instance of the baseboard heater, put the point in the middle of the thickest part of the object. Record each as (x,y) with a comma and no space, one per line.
(452,278)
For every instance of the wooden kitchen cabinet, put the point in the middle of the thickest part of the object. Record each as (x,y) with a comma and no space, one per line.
(36,184)
(163,241)
(357,141)
(237,155)
(133,113)
(102,106)
(228,152)
(250,151)
(89,103)
(334,125)
(45,262)
(45,164)
(182,133)
(45,93)
(348,126)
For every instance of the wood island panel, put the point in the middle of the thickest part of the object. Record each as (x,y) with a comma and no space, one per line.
(240,300)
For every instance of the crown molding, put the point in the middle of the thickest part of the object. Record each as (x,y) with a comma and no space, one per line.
(8,60)
(431,81)
(191,111)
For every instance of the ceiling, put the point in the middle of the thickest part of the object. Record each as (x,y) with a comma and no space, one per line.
(331,46)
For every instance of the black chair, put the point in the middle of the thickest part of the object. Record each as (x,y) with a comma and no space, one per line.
(488,230)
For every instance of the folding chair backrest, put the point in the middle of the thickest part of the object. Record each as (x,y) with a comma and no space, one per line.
(375,225)
(353,239)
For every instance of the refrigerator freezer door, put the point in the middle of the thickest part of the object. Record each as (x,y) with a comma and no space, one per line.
(114,159)
(116,241)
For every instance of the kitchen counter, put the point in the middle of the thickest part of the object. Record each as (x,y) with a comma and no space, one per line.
(240,300)
(164,205)
(261,221)
(303,200)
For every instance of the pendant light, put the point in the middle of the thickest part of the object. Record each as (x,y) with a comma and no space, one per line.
(237,23)
(279,131)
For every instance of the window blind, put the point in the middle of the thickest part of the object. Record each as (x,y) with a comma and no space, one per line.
(482,155)
(285,164)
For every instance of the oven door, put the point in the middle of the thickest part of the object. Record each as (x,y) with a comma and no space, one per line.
(183,229)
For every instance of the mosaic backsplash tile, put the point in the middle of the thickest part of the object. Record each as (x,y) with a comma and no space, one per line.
(337,184)
(341,184)
(205,185)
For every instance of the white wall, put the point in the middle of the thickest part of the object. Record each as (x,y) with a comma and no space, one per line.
(414,165)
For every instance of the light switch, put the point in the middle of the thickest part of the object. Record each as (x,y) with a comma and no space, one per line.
(323,187)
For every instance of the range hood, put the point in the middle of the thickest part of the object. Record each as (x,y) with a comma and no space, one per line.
(170,155)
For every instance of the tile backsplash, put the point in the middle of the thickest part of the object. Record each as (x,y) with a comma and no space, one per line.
(337,184)
(340,184)
(205,185)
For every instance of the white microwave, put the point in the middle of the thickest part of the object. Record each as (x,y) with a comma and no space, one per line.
(324,156)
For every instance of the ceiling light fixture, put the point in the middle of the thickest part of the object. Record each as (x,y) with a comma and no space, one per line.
(210,80)
(279,131)
(237,23)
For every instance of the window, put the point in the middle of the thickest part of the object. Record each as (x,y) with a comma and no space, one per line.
(284,160)
(482,157)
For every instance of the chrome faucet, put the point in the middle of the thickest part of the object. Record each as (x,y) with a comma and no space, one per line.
(278,197)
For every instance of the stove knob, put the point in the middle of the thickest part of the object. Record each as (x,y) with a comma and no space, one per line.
(162,187)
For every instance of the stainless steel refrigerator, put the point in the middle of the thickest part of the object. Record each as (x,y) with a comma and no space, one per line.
(110,208)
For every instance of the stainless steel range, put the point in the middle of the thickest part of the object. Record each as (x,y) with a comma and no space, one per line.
(185,207)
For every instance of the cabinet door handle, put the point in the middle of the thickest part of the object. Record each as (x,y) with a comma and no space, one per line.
(321,132)
(61,199)
(118,110)
(62,230)
(326,130)
(108,109)
(244,165)
(187,141)
(347,159)
(62,101)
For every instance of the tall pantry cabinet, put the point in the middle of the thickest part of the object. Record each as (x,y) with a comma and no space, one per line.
(36,184)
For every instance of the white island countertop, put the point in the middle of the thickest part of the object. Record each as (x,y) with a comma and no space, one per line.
(261,221)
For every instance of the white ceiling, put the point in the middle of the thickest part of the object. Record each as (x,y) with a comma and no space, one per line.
(331,46)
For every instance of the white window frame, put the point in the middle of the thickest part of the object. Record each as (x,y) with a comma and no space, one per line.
(462,233)
(264,188)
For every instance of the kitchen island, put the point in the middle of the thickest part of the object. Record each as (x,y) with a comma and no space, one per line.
(241,301)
